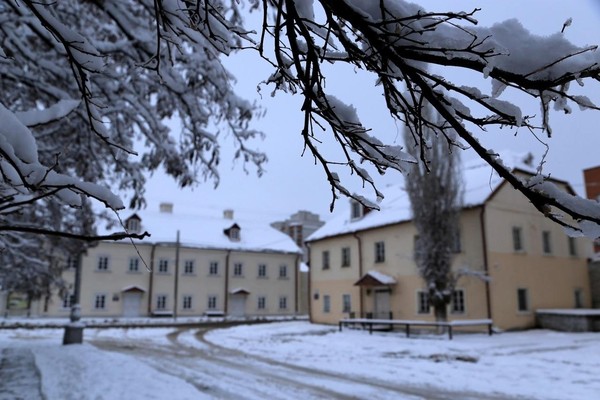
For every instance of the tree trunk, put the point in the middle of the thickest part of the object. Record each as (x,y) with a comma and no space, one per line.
(440,311)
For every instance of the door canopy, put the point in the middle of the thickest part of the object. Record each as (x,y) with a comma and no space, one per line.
(375,278)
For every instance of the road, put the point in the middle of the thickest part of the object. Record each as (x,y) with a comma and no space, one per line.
(224,373)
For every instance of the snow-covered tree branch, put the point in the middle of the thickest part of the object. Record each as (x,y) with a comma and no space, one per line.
(399,43)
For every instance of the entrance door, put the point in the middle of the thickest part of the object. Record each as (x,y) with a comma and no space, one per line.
(238,305)
(382,304)
(132,302)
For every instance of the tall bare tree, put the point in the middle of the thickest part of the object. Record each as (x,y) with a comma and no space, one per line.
(435,192)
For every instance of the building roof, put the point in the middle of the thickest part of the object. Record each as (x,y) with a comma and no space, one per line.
(480,182)
(209,232)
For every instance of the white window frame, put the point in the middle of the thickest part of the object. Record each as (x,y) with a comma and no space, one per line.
(283,303)
(134,264)
(423,306)
(213,268)
(189,267)
(163,266)
(187,302)
(261,303)
(68,300)
(356,210)
(72,262)
(379,251)
(103,263)
(325,259)
(346,257)
(161,302)
(133,225)
(346,303)
(238,269)
(326,304)
(211,302)
(517,239)
(458,302)
(262,270)
(546,242)
(100,301)
(283,271)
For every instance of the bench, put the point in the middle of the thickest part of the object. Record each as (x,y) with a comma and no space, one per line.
(367,322)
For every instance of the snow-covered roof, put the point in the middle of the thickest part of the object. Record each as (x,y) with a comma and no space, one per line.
(376,277)
(479,183)
(202,231)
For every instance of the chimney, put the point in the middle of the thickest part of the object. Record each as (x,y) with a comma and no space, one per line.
(228,213)
(166,208)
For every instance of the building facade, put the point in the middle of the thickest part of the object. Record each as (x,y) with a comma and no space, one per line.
(509,259)
(191,266)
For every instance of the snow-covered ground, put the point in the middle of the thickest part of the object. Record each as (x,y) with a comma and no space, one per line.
(296,360)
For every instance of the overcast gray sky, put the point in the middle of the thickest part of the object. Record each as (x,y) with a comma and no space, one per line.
(293,182)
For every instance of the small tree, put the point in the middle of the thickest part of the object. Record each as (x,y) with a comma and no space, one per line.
(435,192)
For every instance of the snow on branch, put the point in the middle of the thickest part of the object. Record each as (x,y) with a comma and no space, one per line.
(397,41)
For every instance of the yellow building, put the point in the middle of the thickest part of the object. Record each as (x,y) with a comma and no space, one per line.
(510,259)
(190,266)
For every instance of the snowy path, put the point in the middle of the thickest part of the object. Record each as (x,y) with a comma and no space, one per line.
(16,367)
(220,372)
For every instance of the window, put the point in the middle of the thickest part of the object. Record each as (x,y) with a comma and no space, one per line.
(522,300)
(578,298)
(262,270)
(234,234)
(326,303)
(572,246)
(283,271)
(546,242)
(163,266)
(68,300)
(212,302)
(422,302)
(188,267)
(237,269)
(346,303)
(379,252)
(326,259)
(345,256)
(283,303)
(517,238)
(161,302)
(100,302)
(103,263)
(357,210)
(458,301)
(262,303)
(187,302)
(72,262)
(133,225)
(134,264)
(213,268)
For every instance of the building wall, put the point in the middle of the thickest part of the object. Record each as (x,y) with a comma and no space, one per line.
(399,263)
(550,279)
(199,285)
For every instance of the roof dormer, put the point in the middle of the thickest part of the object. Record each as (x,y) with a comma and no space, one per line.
(357,210)
(133,224)
(233,232)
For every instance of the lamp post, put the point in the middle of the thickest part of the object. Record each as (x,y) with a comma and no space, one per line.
(74,330)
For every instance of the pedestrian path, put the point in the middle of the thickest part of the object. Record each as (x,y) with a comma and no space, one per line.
(19,377)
